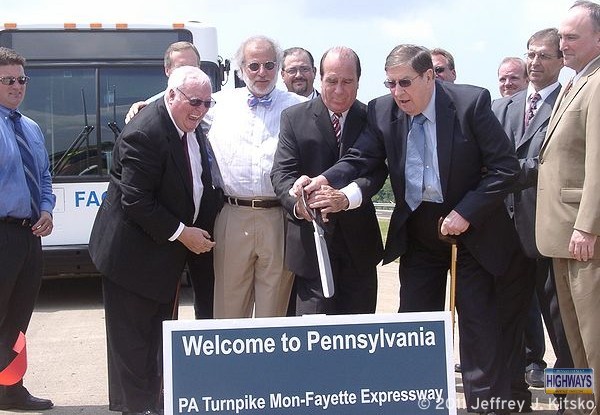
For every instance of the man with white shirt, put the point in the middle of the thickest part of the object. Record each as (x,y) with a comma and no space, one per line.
(250,274)
(525,117)
(313,136)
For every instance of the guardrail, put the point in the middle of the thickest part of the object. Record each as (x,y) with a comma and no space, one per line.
(384,210)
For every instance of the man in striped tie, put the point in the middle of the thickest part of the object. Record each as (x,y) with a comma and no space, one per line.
(25,215)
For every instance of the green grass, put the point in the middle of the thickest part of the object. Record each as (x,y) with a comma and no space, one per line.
(383,226)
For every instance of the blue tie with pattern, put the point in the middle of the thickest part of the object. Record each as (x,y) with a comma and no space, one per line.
(29,166)
(415,156)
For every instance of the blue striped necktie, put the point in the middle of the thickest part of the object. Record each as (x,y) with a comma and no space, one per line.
(29,166)
(413,168)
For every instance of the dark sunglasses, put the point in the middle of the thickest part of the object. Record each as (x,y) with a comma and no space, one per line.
(403,83)
(255,66)
(439,69)
(10,80)
(196,102)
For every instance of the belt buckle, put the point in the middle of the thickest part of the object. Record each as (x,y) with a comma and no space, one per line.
(256,201)
(25,223)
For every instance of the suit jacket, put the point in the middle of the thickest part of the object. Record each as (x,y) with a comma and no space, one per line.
(307,145)
(527,141)
(149,194)
(569,171)
(477,167)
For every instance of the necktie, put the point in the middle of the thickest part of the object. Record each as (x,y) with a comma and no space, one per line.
(413,168)
(253,101)
(533,100)
(337,129)
(187,157)
(29,166)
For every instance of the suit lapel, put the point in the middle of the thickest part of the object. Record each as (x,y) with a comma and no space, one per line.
(515,114)
(352,128)
(324,125)
(562,102)
(541,117)
(445,114)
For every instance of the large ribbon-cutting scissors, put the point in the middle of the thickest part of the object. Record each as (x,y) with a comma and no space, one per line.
(322,252)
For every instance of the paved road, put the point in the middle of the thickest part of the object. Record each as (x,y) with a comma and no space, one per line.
(66,344)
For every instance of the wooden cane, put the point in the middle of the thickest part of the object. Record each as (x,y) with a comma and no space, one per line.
(453,258)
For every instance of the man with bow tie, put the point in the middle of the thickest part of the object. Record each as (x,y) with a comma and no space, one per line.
(250,274)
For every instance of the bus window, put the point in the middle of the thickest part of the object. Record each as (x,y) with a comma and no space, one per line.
(55,100)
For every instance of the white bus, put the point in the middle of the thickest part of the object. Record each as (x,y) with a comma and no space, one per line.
(83,80)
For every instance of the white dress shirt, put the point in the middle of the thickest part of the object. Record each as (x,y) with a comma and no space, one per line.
(244,140)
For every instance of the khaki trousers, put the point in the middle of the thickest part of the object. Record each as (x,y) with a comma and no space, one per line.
(250,273)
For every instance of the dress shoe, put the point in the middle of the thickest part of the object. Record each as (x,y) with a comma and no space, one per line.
(535,378)
(25,402)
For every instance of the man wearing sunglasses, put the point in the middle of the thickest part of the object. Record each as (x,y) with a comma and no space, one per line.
(449,158)
(443,65)
(26,204)
(159,210)
(250,274)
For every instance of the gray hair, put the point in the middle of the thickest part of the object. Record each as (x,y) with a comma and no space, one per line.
(418,57)
(238,58)
(187,74)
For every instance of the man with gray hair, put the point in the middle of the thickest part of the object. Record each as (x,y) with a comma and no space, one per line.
(449,161)
(158,209)
(250,274)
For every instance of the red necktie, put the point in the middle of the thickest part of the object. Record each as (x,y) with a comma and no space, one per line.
(335,120)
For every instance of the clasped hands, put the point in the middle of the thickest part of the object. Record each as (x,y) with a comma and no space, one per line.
(196,240)
(320,195)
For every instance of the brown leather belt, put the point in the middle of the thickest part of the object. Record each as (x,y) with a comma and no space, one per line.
(24,222)
(253,203)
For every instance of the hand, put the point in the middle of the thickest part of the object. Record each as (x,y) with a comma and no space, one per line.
(296,190)
(581,245)
(44,226)
(454,224)
(316,183)
(135,108)
(329,200)
(196,240)
(300,211)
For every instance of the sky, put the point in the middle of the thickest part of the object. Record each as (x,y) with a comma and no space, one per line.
(478,33)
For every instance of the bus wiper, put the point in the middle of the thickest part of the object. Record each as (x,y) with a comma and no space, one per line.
(113,124)
(83,135)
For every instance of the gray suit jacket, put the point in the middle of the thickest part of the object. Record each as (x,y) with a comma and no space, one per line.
(527,141)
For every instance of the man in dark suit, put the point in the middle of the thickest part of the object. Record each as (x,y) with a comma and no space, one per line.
(309,143)
(298,72)
(525,117)
(158,211)
(459,165)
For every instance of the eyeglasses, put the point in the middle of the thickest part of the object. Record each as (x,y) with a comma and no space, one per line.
(196,102)
(255,66)
(403,83)
(10,80)
(439,69)
(301,69)
(543,56)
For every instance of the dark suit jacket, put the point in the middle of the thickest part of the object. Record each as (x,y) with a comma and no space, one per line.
(527,141)
(476,161)
(307,145)
(149,194)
